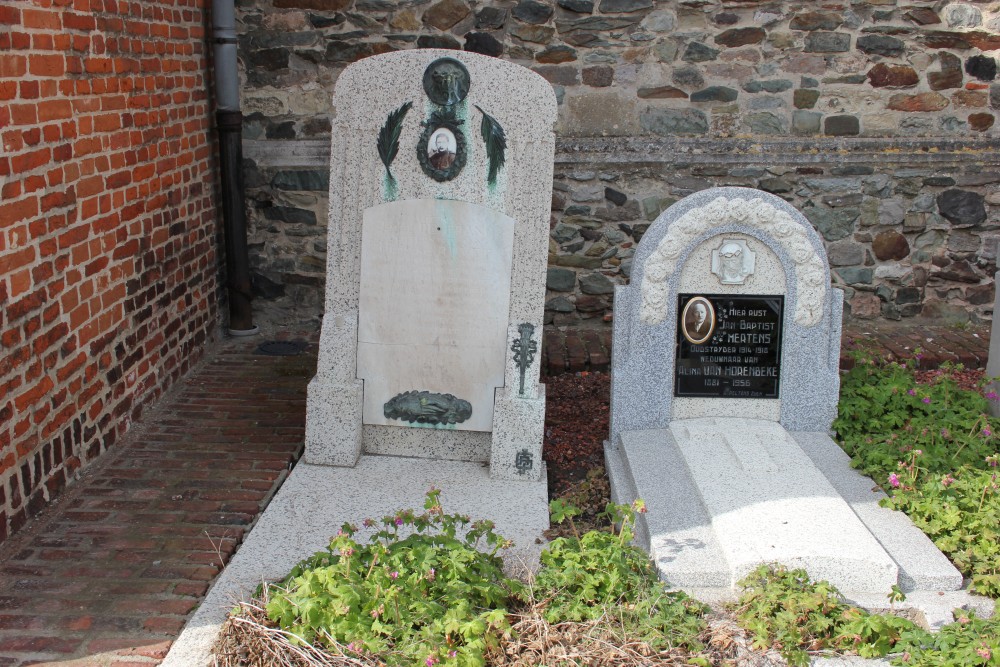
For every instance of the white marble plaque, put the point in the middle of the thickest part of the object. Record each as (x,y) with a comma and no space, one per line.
(434,300)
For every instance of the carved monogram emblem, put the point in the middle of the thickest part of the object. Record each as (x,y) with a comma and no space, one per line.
(523,462)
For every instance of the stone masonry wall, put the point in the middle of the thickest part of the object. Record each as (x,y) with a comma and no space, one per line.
(876,118)
(108,262)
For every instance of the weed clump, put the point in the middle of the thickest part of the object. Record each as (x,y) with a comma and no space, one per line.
(935,450)
(429,589)
(785,610)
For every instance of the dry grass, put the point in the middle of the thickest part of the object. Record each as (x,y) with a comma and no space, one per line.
(731,646)
(249,639)
(603,642)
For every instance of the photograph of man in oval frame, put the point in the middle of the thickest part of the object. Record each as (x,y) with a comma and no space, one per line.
(698,320)
(441,150)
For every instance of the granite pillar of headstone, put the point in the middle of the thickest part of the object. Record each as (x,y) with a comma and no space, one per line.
(993,362)
(441,172)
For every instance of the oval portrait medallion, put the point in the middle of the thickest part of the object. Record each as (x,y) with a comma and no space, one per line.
(698,320)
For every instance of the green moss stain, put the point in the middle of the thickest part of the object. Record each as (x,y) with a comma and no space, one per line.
(439,427)
(446,225)
(390,188)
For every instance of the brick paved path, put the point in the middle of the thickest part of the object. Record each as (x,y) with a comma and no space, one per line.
(109,573)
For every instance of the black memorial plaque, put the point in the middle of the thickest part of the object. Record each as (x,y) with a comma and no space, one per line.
(739,355)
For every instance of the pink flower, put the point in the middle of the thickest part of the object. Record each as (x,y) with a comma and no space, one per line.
(394,575)
(430,661)
(399,521)
(912,392)
(452,654)
(992,395)
(987,433)
(947,481)
(894,480)
(984,653)
(927,399)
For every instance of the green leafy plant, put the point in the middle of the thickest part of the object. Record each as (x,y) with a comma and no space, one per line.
(787,611)
(895,595)
(934,449)
(428,597)
(599,573)
(968,642)
(590,495)
(961,513)
(885,417)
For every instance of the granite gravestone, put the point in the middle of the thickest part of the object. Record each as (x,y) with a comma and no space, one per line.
(993,360)
(724,386)
(439,207)
(441,174)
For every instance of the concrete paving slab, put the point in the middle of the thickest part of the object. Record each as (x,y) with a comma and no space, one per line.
(316,500)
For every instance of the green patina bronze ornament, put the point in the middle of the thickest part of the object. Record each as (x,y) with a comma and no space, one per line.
(441,150)
(388,137)
(496,144)
(446,82)
(424,407)
(524,349)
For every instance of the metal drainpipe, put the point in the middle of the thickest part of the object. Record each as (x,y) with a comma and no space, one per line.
(229,121)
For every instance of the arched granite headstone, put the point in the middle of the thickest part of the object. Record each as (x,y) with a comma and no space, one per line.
(746,245)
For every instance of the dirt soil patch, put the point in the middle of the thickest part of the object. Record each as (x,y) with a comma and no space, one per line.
(576,426)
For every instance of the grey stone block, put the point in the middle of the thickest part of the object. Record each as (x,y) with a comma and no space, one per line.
(805,122)
(677,529)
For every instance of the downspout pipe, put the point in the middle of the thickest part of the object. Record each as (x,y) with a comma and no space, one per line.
(229,121)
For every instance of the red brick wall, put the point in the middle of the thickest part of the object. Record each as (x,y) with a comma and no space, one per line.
(108,234)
